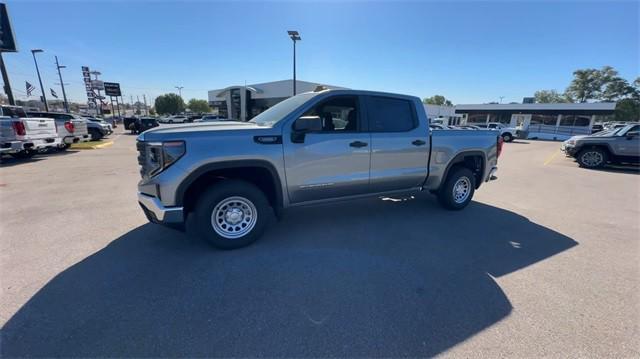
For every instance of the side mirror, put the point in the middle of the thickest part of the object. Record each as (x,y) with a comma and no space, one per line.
(308,124)
(303,125)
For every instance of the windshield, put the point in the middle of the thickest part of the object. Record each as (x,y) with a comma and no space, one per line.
(276,113)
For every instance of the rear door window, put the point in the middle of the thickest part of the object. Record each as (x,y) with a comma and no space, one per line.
(388,114)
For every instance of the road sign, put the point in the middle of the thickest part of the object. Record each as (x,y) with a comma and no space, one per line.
(97,85)
(112,89)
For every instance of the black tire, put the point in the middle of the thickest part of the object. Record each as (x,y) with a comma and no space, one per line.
(64,147)
(507,137)
(446,195)
(592,157)
(23,154)
(95,134)
(225,191)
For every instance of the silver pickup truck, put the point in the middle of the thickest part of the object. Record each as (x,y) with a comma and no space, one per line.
(311,148)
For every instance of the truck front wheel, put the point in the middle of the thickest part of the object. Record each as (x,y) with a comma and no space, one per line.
(232,214)
(457,191)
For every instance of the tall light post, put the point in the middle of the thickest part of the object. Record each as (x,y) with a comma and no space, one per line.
(44,96)
(64,94)
(179,90)
(295,36)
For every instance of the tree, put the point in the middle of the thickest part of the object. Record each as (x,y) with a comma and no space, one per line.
(549,96)
(196,105)
(585,85)
(627,109)
(437,100)
(169,104)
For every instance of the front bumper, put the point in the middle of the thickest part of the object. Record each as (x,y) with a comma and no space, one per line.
(157,213)
(569,150)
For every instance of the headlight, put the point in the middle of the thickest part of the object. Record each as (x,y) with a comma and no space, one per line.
(571,142)
(157,156)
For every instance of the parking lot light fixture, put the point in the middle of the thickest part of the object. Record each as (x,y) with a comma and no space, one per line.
(44,96)
(295,36)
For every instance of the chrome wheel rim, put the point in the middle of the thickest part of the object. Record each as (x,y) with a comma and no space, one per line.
(592,158)
(461,190)
(234,217)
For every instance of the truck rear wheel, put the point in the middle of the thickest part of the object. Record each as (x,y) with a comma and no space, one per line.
(232,214)
(457,191)
(507,137)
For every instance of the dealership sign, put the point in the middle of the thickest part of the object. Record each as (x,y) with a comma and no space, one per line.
(112,89)
(86,76)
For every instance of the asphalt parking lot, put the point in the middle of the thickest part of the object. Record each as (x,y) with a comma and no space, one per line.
(544,262)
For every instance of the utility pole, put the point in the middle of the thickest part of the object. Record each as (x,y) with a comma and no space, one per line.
(501,97)
(64,94)
(179,90)
(146,109)
(138,103)
(7,84)
(44,96)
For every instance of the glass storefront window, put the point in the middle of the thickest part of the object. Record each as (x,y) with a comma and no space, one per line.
(477,118)
(549,120)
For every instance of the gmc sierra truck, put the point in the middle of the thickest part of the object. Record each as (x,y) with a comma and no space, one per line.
(312,148)
(22,136)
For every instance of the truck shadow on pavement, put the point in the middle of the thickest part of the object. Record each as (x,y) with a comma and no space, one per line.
(393,277)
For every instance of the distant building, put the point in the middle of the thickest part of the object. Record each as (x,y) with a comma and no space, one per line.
(445,115)
(242,102)
(553,121)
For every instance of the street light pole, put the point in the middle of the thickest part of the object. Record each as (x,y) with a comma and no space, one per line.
(44,96)
(64,94)
(295,36)
(179,90)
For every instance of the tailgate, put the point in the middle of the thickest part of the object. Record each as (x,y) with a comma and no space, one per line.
(39,128)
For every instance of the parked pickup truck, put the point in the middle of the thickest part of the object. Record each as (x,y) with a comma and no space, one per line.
(311,148)
(23,137)
(71,128)
(615,145)
(507,133)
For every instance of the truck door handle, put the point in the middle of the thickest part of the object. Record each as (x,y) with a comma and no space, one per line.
(358,144)
(418,143)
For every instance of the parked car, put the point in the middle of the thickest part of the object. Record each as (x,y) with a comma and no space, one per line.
(329,145)
(22,136)
(145,123)
(615,145)
(211,118)
(174,119)
(71,128)
(596,128)
(98,128)
(507,133)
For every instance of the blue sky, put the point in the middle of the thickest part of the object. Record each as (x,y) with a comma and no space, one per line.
(470,52)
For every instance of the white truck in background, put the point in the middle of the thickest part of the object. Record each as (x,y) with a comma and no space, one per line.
(71,128)
(508,134)
(22,136)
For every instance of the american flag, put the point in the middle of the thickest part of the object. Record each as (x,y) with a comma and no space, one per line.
(30,88)
(53,93)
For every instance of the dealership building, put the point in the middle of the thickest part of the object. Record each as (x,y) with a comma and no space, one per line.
(553,121)
(243,102)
